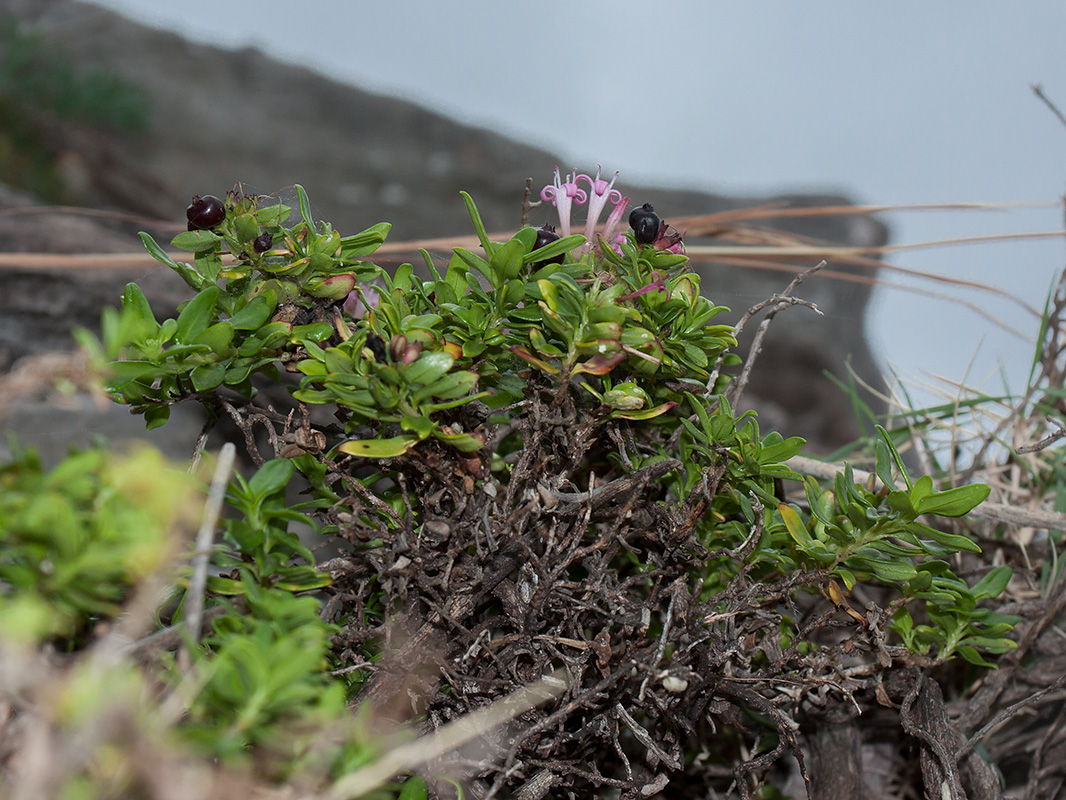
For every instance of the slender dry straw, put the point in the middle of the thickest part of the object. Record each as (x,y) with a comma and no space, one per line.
(446,739)
(194,598)
(740,244)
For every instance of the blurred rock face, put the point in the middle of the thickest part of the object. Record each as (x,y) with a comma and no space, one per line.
(222,117)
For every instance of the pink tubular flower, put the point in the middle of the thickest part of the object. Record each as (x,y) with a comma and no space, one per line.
(601,192)
(656,283)
(562,195)
(610,230)
(361,300)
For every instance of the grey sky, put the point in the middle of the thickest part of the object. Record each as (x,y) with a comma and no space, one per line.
(903,102)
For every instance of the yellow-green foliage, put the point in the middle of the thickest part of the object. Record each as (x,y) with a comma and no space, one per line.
(75,539)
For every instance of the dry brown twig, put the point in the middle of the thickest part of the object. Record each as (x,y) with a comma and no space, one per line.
(775,304)
(1046,442)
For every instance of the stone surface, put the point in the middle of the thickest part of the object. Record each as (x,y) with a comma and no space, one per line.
(221,117)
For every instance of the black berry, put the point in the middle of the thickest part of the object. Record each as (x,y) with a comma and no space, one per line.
(263,242)
(645,224)
(205,212)
(545,236)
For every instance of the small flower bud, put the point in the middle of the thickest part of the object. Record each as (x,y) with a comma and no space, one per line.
(397,347)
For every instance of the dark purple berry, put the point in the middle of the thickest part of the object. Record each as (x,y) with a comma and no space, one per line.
(205,212)
(263,242)
(545,236)
(645,224)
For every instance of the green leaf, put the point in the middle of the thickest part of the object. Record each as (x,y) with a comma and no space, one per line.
(884,463)
(256,312)
(599,347)
(217,337)
(541,345)
(122,372)
(196,315)
(529,358)
(443,405)
(847,576)
(414,788)
(527,236)
(272,216)
(991,644)
(196,241)
(894,453)
(992,584)
(300,578)
(402,279)
(782,451)
(450,387)
(167,330)
(246,227)
(191,277)
(224,586)
(922,488)
(972,656)
(609,314)
(506,262)
(952,541)
(481,265)
(428,368)
(642,414)
(313,332)
(599,365)
(549,294)
(412,323)
(155,251)
(156,416)
(953,502)
(137,322)
(337,361)
(472,349)
(601,330)
(556,248)
(455,277)
(889,570)
(305,206)
(463,442)
(269,336)
(696,355)
(208,376)
(431,266)
(271,477)
(379,448)
(511,295)
(900,501)
(479,226)
(209,264)
(333,287)
(795,527)
(327,244)
(418,425)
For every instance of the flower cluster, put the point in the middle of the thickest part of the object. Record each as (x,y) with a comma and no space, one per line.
(565,194)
